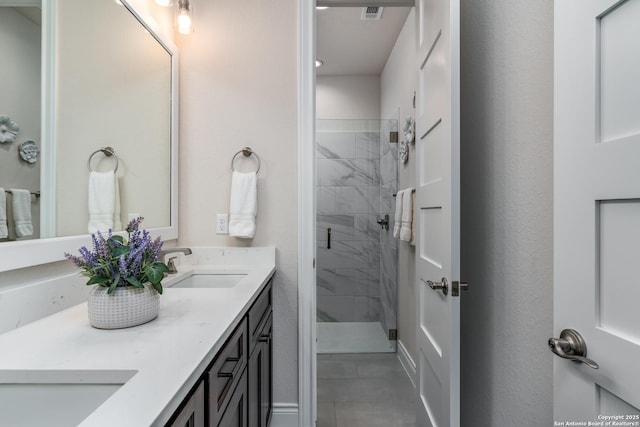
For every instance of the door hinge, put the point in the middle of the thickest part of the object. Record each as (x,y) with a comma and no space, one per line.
(393,334)
(456,286)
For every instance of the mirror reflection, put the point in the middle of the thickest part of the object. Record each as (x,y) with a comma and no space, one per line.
(20,36)
(111,87)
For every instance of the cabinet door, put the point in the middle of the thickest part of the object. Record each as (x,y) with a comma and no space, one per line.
(260,378)
(255,386)
(267,374)
(223,376)
(236,413)
(192,414)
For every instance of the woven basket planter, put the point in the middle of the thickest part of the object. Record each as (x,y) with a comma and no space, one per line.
(124,308)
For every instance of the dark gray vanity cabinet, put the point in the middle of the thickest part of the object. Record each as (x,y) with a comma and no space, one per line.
(260,320)
(192,413)
(236,389)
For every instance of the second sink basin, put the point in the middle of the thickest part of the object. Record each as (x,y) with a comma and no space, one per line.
(210,281)
(55,398)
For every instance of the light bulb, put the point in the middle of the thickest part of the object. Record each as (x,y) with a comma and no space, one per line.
(184,22)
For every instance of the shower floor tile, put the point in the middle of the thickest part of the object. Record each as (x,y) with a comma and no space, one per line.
(352,337)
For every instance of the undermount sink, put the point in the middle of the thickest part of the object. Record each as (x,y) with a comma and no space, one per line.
(209,280)
(55,398)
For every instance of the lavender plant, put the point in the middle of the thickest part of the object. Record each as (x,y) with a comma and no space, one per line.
(114,261)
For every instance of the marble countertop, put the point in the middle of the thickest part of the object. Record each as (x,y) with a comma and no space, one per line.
(167,355)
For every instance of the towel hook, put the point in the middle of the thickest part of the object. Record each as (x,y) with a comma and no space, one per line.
(247,152)
(107,151)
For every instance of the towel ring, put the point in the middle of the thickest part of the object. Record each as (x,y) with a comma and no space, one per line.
(246,151)
(107,151)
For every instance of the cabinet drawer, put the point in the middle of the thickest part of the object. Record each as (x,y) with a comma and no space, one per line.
(259,311)
(225,372)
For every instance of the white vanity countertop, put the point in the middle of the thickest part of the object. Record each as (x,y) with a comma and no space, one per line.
(168,354)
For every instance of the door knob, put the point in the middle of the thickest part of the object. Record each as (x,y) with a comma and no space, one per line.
(571,346)
(442,285)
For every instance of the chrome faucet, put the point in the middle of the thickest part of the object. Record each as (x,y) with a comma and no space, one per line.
(171,264)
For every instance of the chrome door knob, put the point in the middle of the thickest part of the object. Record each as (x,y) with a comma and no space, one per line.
(571,346)
(442,285)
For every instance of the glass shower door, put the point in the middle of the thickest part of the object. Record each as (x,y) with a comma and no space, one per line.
(356,256)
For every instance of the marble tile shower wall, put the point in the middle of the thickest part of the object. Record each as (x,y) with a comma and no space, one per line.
(348,202)
(388,288)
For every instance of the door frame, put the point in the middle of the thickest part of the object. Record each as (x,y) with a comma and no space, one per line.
(306,200)
(306,214)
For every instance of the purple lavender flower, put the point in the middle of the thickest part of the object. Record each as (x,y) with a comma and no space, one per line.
(89,257)
(77,261)
(122,267)
(134,224)
(102,249)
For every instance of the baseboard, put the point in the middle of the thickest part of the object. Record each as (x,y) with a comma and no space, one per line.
(284,415)
(407,362)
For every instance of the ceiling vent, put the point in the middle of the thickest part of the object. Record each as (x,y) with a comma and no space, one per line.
(371,13)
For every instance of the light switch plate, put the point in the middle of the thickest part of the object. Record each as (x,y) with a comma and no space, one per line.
(222,223)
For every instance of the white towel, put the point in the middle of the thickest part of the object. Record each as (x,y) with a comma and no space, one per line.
(104,202)
(21,209)
(4,231)
(412,242)
(398,215)
(243,205)
(117,221)
(406,222)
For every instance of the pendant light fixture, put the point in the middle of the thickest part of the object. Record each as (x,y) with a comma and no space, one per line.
(184,17)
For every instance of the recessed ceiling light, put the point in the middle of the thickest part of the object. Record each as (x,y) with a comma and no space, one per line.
(319,63)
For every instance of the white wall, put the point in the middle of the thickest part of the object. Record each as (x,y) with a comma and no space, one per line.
(348,97)
(507,207)
(398,82)
(238,88)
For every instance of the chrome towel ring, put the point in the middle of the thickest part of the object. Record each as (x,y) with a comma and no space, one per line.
(246,151)
(107,151)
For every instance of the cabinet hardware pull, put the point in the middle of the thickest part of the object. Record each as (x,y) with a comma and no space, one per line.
(225,374)
(232,359)
(265,338)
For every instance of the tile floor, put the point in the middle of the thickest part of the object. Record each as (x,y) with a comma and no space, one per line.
(364,390)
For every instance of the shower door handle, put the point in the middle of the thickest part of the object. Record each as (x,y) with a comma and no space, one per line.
(329,238)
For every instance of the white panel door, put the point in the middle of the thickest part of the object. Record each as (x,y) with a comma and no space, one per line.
(597,208)
(437,219)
